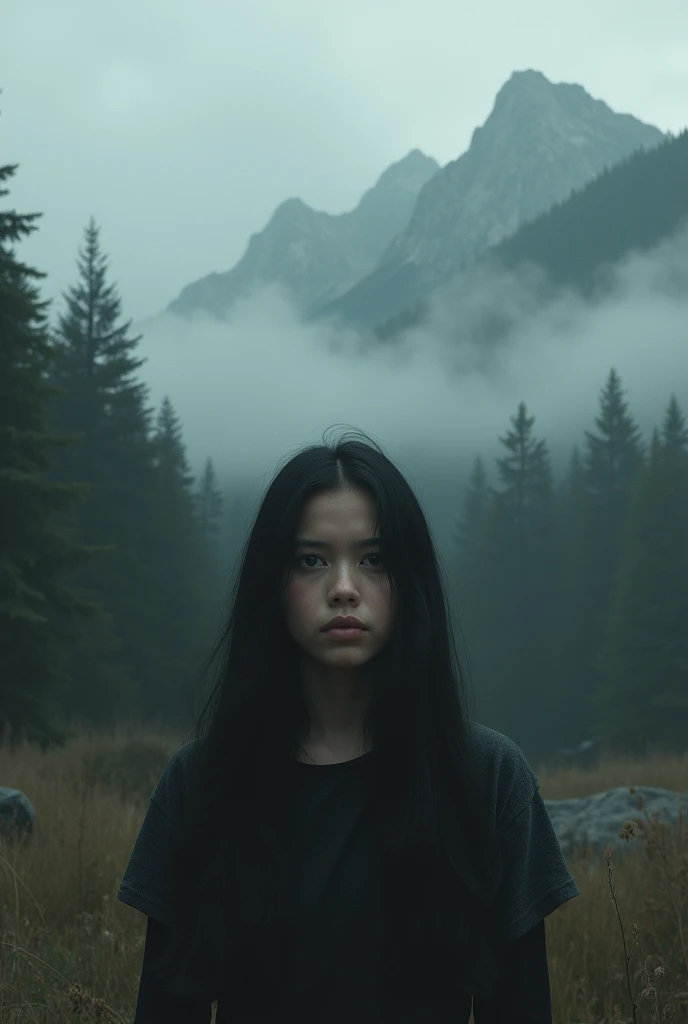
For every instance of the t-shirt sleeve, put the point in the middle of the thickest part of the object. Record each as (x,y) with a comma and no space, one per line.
(535,879)
(145,883)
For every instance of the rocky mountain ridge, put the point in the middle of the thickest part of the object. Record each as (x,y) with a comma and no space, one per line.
(419,224)
(316,256)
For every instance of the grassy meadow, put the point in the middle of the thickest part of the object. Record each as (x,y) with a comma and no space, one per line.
(69,951)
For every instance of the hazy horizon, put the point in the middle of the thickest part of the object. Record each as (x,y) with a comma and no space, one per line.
(435,399)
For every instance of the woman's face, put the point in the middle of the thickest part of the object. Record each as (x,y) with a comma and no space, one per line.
(338,576)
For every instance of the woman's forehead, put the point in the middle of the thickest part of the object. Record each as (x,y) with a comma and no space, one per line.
(339,510)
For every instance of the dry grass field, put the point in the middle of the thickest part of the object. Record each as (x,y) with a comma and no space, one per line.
(69,951)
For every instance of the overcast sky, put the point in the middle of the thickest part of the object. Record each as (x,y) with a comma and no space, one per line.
(181,126)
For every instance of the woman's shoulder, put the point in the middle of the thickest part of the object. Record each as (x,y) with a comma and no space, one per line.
(492,743)
(509,780)
(175,780)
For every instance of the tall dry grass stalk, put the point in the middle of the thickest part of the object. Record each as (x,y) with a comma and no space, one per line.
(69,951)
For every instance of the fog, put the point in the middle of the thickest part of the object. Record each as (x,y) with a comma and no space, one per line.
(253,390)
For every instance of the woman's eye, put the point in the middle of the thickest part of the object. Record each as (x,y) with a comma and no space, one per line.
(303,557)
(375,554)
(372,554)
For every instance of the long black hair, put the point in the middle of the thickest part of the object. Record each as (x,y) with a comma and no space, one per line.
(439,859)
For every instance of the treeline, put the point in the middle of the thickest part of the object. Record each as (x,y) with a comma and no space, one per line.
(630,207)
(573,599)
(110,552)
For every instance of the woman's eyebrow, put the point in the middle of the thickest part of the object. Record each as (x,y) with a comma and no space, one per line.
(303,542)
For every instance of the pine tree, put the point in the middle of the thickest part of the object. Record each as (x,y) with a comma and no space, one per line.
(525,549)
(180,592)
(527,495)
(612,460)
(642,700)
(103,403)
(34,552)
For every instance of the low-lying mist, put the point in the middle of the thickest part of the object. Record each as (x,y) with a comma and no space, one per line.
(252,390)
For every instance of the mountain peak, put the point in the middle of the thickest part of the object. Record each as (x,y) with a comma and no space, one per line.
(526,92)
(408,174)
(414,161)
(530,92)
(540,142)
(527,79)
(293,209)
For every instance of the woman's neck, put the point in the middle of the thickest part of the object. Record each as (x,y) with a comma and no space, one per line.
(332,750)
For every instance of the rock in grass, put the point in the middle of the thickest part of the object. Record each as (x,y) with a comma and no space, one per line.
(595,821)
(17,814)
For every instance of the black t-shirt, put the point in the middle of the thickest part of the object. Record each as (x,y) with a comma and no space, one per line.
(335,907)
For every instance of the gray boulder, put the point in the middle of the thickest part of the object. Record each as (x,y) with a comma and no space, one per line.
(596,820)
(17,814)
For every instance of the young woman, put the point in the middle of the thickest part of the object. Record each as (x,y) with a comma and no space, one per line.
(339,841)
